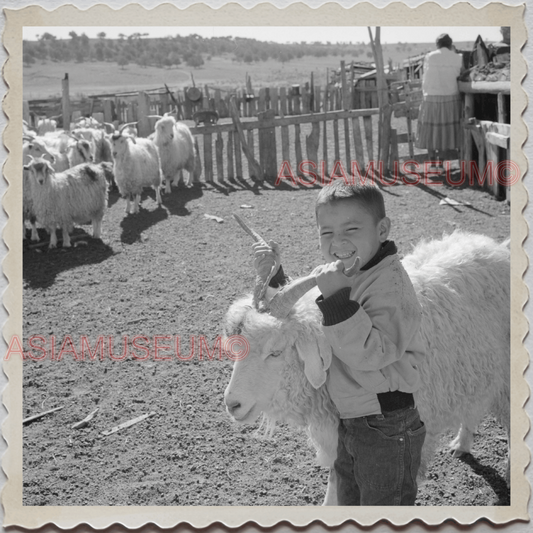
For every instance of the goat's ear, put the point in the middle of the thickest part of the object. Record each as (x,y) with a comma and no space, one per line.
(316,355)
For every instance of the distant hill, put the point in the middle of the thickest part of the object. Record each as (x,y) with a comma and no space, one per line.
(193,50)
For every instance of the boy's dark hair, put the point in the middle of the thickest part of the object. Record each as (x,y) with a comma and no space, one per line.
(367,195)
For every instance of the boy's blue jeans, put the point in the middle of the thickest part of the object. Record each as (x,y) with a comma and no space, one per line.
(378,457)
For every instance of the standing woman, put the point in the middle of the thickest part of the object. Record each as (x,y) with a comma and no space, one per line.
(439,119)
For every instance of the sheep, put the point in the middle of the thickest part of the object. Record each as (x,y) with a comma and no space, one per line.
(136,165)
(463,284)
(176,147)
(60,199)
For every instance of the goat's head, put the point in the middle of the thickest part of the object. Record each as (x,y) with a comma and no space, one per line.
(39,169)
(287,359)
(288,353)
(84,149)
(121,138)
(36,148)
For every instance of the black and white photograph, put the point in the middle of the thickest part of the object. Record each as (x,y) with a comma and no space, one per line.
(265,266)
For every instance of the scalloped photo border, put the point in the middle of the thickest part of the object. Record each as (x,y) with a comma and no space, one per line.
(396,14)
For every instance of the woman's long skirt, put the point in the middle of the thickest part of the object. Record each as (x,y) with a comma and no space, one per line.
(439,123)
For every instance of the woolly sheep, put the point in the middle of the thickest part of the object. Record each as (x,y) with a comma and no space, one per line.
(463,285)
(175,143)
(46,124)
(77,195)
(136,165)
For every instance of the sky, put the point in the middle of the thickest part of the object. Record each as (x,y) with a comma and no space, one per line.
(284,34)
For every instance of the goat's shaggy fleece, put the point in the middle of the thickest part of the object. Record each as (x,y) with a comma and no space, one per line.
(78,195)
(136,166)
(175,143)
(463,285)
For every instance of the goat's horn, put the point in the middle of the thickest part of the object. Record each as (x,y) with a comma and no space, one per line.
(124,126)
(283,301)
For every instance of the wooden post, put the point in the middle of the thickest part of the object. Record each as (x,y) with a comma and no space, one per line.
(65,102)
(219,150)
(229,154)
(26,112)
(284,139)
(274,100)
(267,146)
(311,143)
(501,108)
(298,147)
(467,148)
(208,157)
(253,165)
(143,110)
(282,101)
(367,123)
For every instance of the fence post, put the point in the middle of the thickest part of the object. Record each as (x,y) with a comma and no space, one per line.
(143,110)
(65,102)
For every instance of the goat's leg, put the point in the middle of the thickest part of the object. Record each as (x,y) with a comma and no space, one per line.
(53,238)
(136,203)
(463,442)
(158,194)
(34,233)
(66,237)
(331,492)
(97,228)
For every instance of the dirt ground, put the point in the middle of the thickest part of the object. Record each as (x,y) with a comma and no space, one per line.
(172,271)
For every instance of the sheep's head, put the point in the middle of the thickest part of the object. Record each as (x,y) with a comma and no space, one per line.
(39,169)
(164,129)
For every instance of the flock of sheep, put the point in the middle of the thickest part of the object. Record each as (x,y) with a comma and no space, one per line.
(66,174)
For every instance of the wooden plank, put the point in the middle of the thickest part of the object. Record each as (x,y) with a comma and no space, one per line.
(297,145)
(208,157)
(492,157)
(108,110)
(296,104)
(229,155)
(358,143)
(261,106)
(143,110)
(317,104)
(501,108)
(394,157)
(219,150)
(311,143)
(325,146)
(491,87)
(250,140)
(283,101)
(253,165)
(274,100)
(306,99)
(367,124)
(344,86)
(336,140)
(268,147)
(238,156)
(347,144)
(467,147)
(65,102)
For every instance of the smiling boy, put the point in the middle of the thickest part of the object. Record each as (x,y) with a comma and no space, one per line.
(372,322)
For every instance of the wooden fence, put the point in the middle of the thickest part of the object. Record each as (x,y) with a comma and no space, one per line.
(305,147)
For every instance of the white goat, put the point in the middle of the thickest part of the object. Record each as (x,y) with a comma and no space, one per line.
(463,285)
(136,166)
(46,124)
(101,146)
(175,143)
(78,195)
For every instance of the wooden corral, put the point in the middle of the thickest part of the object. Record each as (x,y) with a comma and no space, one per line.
(487,131)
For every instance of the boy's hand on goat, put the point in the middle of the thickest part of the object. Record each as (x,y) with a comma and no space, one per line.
(333,277)
(266,256)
